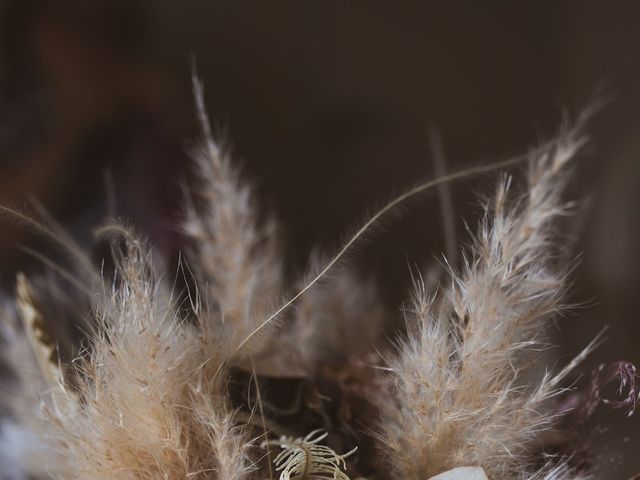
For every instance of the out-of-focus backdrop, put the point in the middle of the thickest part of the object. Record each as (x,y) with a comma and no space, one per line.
(327,105)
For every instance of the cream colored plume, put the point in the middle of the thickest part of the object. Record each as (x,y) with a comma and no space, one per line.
(463,376)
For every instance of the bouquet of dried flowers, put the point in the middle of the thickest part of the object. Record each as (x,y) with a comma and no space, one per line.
(214,376)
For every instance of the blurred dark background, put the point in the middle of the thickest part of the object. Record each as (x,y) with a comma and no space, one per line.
(326,104)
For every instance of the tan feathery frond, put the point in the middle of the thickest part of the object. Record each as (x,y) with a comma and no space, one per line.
(235,257)
(147,409)
(38,396)
(341,317)
(42,346)
(464,392)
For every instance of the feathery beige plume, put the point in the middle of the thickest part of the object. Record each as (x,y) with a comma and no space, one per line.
(464,392)
(235,257)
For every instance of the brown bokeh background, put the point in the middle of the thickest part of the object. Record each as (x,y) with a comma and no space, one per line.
(327,106)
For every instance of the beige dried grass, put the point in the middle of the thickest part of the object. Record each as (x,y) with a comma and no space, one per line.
(149,396)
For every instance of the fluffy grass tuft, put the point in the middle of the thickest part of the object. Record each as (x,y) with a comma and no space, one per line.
(163,385)
(466,390)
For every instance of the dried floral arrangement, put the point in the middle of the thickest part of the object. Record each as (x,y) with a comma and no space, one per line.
(214,376)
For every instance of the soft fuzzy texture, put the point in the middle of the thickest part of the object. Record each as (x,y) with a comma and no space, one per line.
(339,318)
(20,398)
(464,391)
(164,386)
(236,258)
(143,409)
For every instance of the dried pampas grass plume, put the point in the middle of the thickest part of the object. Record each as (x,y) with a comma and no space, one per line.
(463,374)
(163,386)
(142,407)
(236,257)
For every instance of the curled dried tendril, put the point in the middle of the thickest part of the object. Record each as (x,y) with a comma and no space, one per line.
(302,458)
